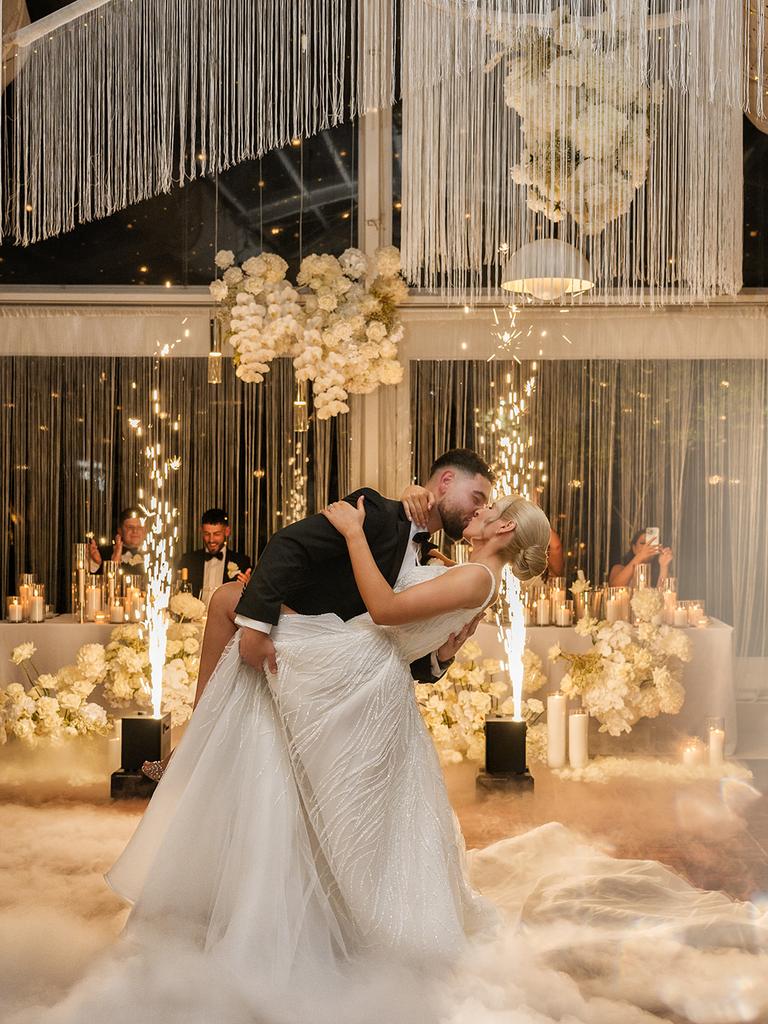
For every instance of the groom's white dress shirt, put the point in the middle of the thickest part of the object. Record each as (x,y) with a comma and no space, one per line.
(412,557)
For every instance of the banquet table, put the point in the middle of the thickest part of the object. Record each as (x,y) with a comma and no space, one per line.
(708,679)
(57,641)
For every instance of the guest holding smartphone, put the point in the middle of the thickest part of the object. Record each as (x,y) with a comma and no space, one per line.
(642,549)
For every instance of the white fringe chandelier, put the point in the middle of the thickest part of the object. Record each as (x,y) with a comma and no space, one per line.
(612,125)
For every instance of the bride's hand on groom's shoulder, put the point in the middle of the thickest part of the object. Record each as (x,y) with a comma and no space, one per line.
(347,519)
(417,503)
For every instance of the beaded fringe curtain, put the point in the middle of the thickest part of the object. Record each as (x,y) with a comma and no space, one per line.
(70,460)
(118,103)
(594,121)
(612,129)
(679,444)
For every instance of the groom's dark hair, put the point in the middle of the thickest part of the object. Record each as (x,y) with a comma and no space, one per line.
(464,459)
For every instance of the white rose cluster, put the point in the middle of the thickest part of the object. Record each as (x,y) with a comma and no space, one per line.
(55,706)
(455,707)
(343,338)
(590,166)
(630,673)
(127,673)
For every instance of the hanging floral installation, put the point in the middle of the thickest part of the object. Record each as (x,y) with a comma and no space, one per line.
(342,332)
(586,119)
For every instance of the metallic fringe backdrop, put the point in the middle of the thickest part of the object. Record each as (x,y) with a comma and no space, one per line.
(678,444)
(71,461)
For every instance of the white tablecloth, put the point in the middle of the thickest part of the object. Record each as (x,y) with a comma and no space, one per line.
(708,680)
(57,641)
(708,677)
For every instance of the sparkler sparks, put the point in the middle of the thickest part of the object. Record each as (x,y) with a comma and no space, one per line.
(160,516)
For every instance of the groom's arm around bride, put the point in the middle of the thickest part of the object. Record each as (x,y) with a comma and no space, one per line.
(306,566)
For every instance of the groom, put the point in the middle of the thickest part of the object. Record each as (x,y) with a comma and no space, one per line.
(306,566)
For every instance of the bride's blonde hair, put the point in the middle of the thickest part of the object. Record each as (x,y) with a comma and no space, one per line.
(526,552)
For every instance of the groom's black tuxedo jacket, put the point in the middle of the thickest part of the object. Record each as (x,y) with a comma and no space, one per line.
(306,566)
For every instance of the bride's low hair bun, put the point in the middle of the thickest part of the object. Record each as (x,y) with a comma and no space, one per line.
(526,551)
(530,563)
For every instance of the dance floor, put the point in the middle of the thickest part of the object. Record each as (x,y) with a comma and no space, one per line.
(56,913)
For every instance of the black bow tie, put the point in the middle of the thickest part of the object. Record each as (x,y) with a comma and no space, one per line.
(213,554)
(420,538)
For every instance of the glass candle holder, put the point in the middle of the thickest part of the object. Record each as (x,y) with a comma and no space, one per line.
(617,604)
(557,592)
(695,611)
(581,601)
(26,582)
(117,610)
(642,576)
(669,595)
(15,610)
(542,607)
(93,597)
(564,614)
(595,602)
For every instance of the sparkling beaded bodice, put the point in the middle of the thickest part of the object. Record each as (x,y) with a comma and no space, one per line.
(415,639)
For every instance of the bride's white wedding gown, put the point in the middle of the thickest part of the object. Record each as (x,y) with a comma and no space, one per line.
(302,845)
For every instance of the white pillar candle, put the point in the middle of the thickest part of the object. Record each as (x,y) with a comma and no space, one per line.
(117,612)
(680,616)
(564,616)
(557,705)
(542,611)
(36,609)
(670,605)
(578,742)
(612,609)
(716,747)
(15,610)
(92,602)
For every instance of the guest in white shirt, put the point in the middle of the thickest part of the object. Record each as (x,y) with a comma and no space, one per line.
(216,562)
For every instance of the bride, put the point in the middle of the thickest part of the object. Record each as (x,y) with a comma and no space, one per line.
(303,820)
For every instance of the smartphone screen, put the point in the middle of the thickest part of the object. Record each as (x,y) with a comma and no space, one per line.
(652,534)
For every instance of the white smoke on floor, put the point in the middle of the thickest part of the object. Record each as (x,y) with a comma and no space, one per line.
(561,961)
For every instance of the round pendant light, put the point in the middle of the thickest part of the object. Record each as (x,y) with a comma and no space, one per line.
(548,269)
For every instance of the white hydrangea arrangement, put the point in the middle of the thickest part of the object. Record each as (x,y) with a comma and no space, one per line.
(55,706)
(586,119)
(343,337)
(631,672)
(455,707)
(127,678)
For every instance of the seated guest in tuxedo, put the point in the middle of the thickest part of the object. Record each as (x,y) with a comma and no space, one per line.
(215,563)
(129,548)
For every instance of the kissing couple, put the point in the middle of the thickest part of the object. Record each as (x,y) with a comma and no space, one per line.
(303,820)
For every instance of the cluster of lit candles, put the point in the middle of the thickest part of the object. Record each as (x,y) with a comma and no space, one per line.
(29,604)
(694,753)
(547,604)
(113,596)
